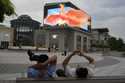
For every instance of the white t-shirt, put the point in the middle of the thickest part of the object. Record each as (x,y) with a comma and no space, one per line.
(71,72)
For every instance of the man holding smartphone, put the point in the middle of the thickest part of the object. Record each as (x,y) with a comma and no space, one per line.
(79,72)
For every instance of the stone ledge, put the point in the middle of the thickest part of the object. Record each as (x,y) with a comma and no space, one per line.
(99,79)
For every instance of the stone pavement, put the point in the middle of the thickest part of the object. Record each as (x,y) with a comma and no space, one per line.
(117,69)
(14,64)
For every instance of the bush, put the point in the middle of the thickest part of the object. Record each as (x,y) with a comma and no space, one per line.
(123,54)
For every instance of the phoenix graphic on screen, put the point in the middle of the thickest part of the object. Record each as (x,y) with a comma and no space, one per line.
(66,15)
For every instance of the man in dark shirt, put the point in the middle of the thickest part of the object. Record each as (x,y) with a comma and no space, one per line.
(44,68)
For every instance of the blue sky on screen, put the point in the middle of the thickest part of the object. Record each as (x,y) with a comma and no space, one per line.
(57,10)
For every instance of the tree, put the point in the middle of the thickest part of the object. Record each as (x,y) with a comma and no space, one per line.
(116,44)
(112,43)
(6,8)
(121,45)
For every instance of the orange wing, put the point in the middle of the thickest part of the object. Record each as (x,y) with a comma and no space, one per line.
(72,18)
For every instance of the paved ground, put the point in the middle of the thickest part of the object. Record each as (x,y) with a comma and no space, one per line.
(107,61)
(14,63)
(117,69)
(18,61)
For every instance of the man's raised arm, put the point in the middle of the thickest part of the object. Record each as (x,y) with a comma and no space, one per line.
(90,59)
(67,59)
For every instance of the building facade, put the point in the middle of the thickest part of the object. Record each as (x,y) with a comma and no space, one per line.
(100,37)
(6,36)
(63,39)
(24,27)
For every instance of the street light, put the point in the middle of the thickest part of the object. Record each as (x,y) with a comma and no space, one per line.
(54,36)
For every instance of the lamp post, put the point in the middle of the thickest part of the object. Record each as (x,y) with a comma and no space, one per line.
(54,36)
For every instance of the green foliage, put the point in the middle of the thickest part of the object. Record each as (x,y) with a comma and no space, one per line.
(123,54)
(100,46)
(116,44)
(6,8)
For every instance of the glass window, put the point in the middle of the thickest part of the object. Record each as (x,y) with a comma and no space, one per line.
(84,43)
(78,42)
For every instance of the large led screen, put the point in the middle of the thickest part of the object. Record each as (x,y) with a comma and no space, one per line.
(67,15)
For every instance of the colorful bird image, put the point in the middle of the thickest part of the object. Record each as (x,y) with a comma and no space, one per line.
(71,17)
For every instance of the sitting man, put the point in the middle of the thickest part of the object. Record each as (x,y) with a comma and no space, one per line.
(79,72)
(44,68)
